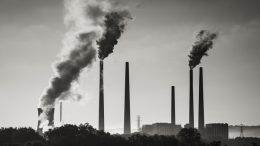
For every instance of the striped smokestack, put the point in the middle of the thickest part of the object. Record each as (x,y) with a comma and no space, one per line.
(101,124)
(201,102)
(127,118)
(191,113)
(173,107)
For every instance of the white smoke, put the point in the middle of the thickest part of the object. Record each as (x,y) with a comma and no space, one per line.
(84,22)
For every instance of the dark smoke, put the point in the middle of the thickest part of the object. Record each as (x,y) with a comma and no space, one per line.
(68,70)
(85,20)
(201,46)
(115,23)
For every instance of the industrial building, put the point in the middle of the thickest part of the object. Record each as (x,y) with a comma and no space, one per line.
(161,129)
(217,131)
(164,128)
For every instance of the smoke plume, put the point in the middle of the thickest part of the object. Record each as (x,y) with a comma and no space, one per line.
(114,26)
(85,21)
(201,46)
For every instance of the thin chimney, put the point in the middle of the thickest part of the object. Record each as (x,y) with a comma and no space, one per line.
(201,102)
(173,106)
(127,118)
(60,112)
(191,113)
(101,125)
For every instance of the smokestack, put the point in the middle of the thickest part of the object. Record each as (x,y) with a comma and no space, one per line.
(60,112)
(191,113)
(101,124)
(201,102)
(127,120)
(173,107)
(50,119)
(114,24)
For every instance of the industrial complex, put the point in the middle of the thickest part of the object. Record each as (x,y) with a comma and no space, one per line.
(210,131)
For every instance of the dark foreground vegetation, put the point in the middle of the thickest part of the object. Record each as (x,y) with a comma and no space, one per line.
(86,135)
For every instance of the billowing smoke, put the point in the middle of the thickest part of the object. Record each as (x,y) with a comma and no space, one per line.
(86,20)
(114,26)
(201,46)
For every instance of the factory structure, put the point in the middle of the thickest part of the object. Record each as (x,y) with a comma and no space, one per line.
(50,119)
(211,131)
(164,128)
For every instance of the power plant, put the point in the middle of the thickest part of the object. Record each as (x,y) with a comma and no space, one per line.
(96,34)
(106,46)
(157,128)
(214,131)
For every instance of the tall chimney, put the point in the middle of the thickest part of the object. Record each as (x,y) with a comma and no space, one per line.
(191,113)
(173,107)
(60,112)
(201,102)
(127,118)
(101,124)
(50,118)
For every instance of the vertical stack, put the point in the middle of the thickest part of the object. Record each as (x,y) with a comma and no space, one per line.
(127,118)
(101,124)
(173,107)
(191,113)
(201,102)
(61,112)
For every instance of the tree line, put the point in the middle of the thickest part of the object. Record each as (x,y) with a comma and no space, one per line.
(86,135)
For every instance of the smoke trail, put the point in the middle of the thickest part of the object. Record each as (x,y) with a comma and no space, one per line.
(201,46)
(84,20)
(114,26)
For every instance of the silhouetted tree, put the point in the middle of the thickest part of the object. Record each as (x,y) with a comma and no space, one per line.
(189,137)
(254,144)
(11,136)
(6,135)
(86,135)
(156,140)
(69,135)
(22,135)
(214,143)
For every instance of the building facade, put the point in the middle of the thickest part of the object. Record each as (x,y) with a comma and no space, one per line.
(217,131)
(161,129)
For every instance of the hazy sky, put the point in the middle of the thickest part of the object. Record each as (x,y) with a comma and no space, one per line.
(156,43)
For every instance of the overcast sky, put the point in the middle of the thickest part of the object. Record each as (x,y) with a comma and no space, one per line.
(156,44)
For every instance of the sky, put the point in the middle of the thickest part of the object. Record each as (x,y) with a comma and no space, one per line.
(155,43)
